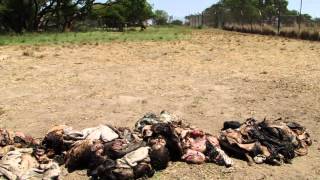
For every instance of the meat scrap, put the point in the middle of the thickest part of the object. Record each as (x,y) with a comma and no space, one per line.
(272,142)
(17,139)
(180,142)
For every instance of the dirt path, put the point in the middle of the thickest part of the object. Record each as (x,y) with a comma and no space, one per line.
(213,77)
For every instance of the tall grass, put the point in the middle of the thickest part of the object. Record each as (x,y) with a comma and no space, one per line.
(306,33)
(151,34)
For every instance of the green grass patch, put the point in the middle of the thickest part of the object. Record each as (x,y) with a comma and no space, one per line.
(151,34)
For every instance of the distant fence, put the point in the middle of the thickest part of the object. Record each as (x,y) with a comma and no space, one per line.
(202,20)
(196,21)
(218,21)
(289,26)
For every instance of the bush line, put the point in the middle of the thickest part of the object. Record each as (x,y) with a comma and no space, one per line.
(304,34)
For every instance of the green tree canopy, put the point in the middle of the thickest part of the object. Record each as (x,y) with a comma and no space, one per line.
(160,17)
(118,13)
(33,15)
(16,14)
(252,11)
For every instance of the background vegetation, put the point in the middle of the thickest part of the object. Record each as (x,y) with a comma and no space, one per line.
(151,34)
(268,17)
(22,16)
(42,20)
(255,12)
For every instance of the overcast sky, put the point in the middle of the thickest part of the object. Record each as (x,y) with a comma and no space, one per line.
(182,8)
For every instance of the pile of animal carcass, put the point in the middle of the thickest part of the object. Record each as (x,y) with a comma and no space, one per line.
(108,152)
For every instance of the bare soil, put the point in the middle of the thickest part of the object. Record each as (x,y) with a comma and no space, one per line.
(213,77)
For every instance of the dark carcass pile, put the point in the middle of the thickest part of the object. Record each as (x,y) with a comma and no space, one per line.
(272,142)
(108,152)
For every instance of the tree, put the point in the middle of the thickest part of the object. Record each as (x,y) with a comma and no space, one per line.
(250,11)
(111,15)
(306,17)
(61,15)
(177,22)
(160,17)
(243,11)
(66,12)
(137,12)
(118,13)
(33,15)
(217,14)
(16,15)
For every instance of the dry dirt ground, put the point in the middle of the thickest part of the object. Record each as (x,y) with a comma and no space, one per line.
(212,77)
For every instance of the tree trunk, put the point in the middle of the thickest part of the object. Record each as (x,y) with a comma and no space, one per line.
(67,26)
(36,18)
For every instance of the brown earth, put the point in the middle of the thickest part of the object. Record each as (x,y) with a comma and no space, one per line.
(213,77)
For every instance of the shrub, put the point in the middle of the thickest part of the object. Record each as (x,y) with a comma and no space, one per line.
(177,22)
(283,33)
(293,34)
(314,36)
(256,30)
(268,31)
(304,35)
(200,27)
(289,33)
(228,27)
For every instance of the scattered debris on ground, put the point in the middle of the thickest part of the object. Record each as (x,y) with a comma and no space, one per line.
(108,152)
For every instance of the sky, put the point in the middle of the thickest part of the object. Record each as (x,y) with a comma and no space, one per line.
(181,8)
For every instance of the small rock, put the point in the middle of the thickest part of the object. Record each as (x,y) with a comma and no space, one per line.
(3,57)
(41,56)
(28,53)
(228,170)
(260,177)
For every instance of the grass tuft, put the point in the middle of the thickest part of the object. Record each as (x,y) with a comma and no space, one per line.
(28,53)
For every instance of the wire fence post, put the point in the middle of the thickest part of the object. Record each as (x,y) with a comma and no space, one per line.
(279,16)
(202,19)
(300,16)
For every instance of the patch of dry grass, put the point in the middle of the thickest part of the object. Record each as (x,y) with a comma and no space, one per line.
(306,33)
(2,111)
